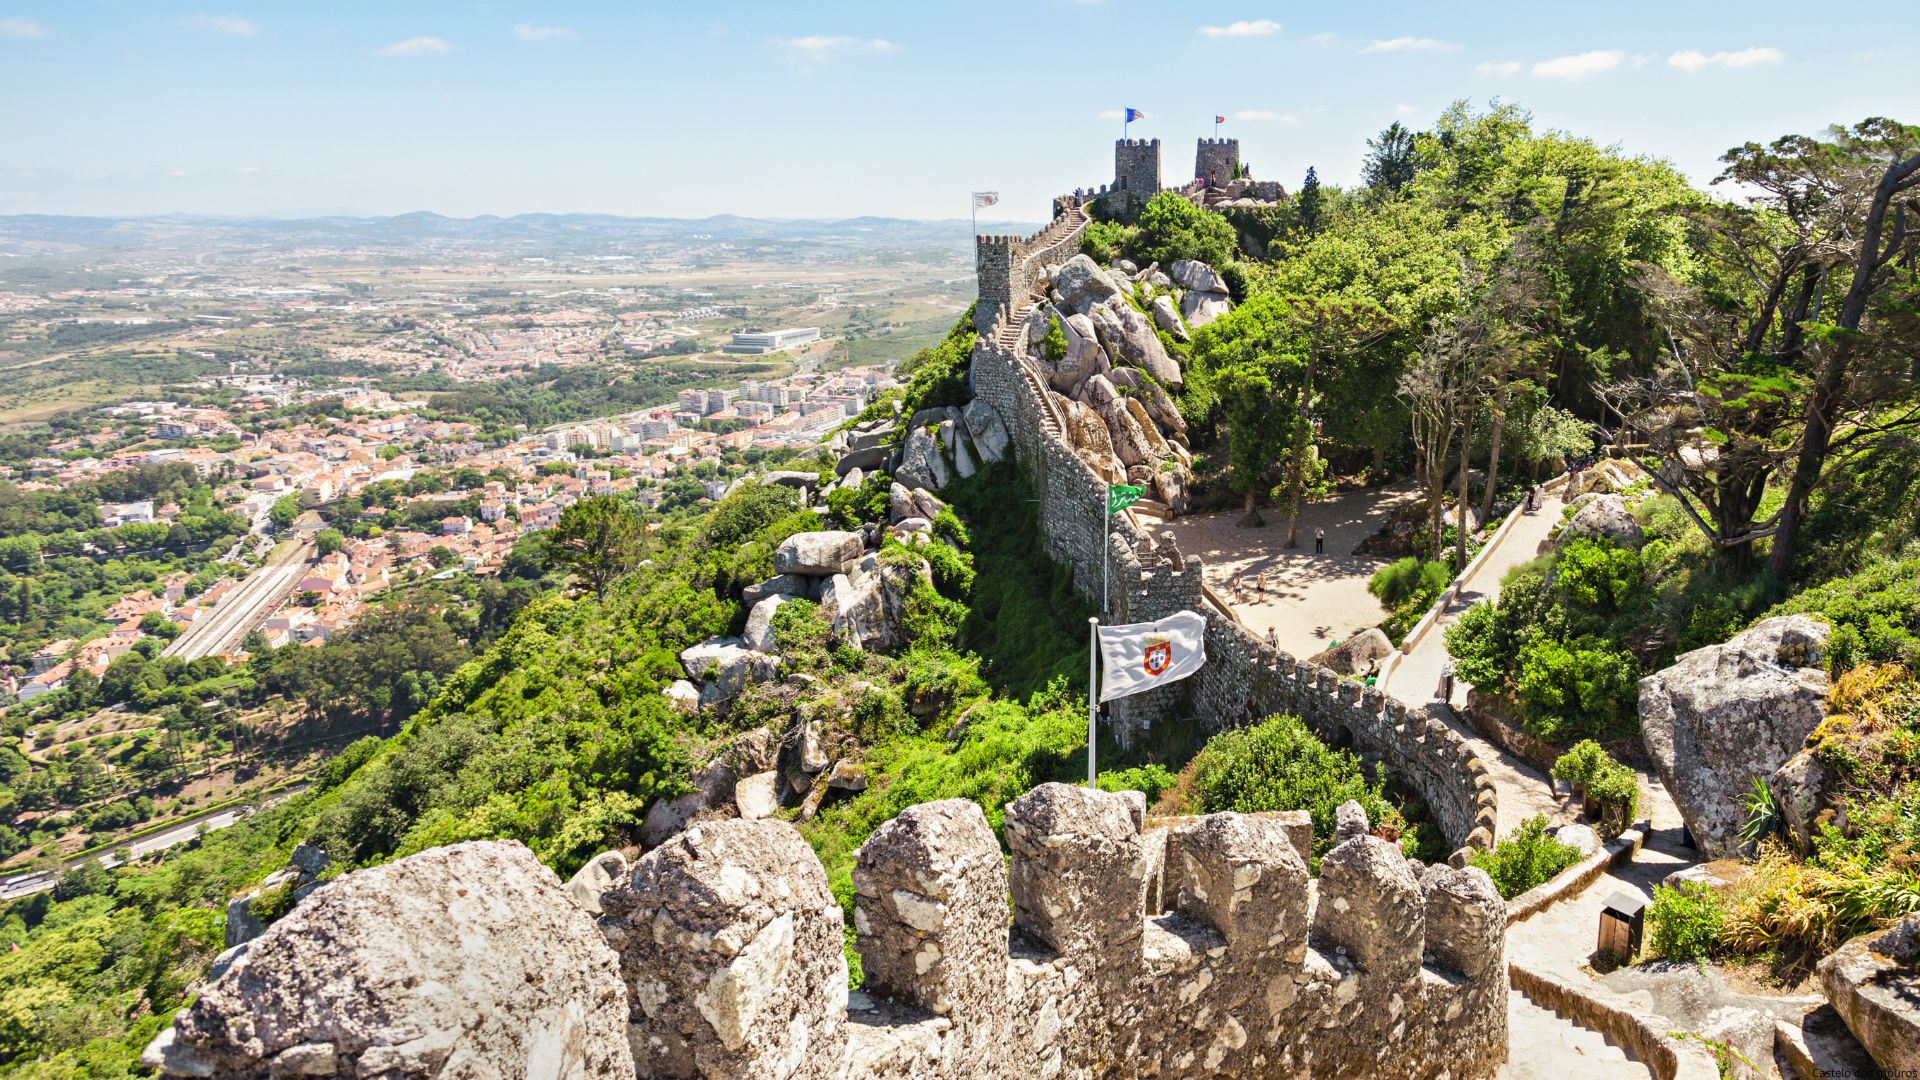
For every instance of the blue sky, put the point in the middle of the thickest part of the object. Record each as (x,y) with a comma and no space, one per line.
(835,109)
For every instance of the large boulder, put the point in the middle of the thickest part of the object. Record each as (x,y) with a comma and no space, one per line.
(870,613)
(1087,434)
(1130,340)
(1359,655)
(1160,406)
(872,434)
(1196,276)
(1201,308)
(921,463)
(1168,319)
(724,666)
(865,459)
(989,434)
(1083,285)
(1083,357)
(1607,517)
(818,554)
(1131,444)
(954,434)
(459,963)
(1873,981)
(1723,715)
(592,880)
(790,585)
(759,632)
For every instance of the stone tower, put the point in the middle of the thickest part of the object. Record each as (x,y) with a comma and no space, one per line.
(1217,160)
(1136,175)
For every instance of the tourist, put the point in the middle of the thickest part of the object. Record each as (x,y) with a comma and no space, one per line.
(1273,639)
(1533,498)
(1319,540)
(1446,681)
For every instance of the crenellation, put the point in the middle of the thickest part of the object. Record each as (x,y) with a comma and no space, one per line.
(1371,907)
(1077,873)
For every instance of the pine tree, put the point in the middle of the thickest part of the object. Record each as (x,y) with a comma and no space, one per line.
(1309,202)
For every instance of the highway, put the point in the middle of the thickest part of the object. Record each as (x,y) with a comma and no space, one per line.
(244,608)
(15,886)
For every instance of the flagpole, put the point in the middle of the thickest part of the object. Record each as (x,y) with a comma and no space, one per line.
(1093,695)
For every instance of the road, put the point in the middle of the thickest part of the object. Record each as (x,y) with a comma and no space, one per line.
(15,886)
(243,609)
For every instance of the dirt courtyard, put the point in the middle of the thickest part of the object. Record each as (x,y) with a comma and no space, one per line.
(1311,600)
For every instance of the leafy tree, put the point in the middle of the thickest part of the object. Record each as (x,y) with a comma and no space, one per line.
(283,512)
(1171,228)
(327,541)
(599,539)
(1390,162)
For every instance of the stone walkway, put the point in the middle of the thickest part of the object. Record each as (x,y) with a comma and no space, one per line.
(1544,1045)
(1415,680)
(1311,600)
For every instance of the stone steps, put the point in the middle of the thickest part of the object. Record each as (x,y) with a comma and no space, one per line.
(1544,1045)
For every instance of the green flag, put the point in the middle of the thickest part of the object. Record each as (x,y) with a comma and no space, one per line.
(1121,496)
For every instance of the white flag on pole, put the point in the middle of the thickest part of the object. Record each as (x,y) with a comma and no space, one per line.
(1141,656)
(985,198)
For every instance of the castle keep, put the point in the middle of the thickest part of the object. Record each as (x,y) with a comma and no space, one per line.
(1217,161)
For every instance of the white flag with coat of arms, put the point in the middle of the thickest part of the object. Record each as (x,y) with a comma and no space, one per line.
(1140,656)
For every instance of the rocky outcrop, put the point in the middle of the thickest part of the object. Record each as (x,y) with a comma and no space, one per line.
(467,962)
(758,635)
(1196,276)
(921,463)
(1873,981)
(1083,286)
(1202,308)
(1083,357)
(1723,715)
(868,610)
(1168,319)
(724,666)
(1129,339)
(818,554)
(300,877)
(592,880)
(1359,655)
(989,433)
(1607,517)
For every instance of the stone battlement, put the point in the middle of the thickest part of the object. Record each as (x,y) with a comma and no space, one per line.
(1196,948)
(1200,949)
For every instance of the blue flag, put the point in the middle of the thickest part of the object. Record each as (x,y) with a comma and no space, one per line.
(1135,114)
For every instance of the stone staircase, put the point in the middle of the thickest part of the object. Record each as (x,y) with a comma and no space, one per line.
(1545,1045)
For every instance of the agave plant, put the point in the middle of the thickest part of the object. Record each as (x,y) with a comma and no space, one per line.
(1763,814)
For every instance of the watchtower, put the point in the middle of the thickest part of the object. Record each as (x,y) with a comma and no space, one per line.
(1217,161)
(1136,174)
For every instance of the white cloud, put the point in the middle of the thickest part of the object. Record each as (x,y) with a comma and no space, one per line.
(1112,114)
(1693,60)
(1256,114)
(1404,110)
(224,24)
(1322,40)
(820,47)
(21,28)
(416,46)
(1243,28)
(1502,67)
(1409,44)
(527,31)
(1577,67)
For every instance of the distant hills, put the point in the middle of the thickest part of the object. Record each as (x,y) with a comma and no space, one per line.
(24,234)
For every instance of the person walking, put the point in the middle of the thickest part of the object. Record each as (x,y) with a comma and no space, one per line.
(1319,540)
(1446,682)
(1273,639)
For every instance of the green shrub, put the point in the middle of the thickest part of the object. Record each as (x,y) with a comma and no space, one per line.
(1054,345)
(1596,574)
(937,375)
(1150,780)
(1105,241)
(1579,764)
(1687,922)
(1875,614)
(850,508)
(1617,789)
(1581,689)
(1528,858)
(1280,765)
(1409,579)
